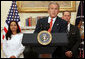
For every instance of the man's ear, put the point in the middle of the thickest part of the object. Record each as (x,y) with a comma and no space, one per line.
(58,11)
(70,17)
(62,17)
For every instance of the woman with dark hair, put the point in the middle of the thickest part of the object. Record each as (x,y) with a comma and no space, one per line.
(12,46)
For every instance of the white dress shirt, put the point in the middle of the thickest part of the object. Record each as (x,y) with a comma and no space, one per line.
(49,20)
(14,46)
(68,28)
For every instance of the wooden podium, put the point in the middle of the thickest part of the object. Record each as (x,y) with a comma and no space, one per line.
(58,39)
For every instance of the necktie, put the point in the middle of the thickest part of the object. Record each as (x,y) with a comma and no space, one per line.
(49,30)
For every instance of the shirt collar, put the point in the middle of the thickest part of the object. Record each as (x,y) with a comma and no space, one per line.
(68,27)
(49,20)
(69,24)
(53,18)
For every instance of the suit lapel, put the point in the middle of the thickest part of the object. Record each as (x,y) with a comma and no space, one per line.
(46,20)
(55,25)
(71,29)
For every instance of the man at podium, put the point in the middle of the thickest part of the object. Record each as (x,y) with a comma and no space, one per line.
(53,24)
(56,23)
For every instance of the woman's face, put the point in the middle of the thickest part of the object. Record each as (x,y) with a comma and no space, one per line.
(13,27)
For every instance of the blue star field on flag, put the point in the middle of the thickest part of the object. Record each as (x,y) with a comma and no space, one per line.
(13,13)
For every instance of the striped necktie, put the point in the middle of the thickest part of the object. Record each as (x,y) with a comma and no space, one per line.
(49,30)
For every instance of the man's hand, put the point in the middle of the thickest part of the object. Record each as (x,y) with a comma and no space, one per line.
(68,54)
(12,57)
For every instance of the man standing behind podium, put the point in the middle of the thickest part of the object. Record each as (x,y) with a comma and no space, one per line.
(57,25)
(71,51)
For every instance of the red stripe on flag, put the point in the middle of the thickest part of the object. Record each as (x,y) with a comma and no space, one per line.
(3,37)
(80,53)
(19,28)
(5,30)
(83,53)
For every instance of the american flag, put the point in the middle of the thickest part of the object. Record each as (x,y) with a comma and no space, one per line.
(80,17)
(80,13)
(12,16)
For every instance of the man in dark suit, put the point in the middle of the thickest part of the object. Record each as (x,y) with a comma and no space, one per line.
(57,25)
(71,51)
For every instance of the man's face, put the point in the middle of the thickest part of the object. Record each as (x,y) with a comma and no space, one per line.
(67,16)
(53,10)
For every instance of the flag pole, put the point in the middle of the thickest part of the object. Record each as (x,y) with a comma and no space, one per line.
(81,18)
(14,9)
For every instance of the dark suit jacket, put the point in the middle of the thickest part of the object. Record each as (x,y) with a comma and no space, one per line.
(74,40)
(59,26)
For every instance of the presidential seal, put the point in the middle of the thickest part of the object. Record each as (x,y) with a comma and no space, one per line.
(44,37)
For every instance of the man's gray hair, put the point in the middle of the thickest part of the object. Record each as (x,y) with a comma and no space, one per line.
(55,3)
